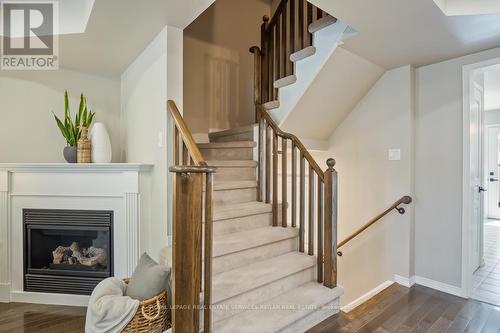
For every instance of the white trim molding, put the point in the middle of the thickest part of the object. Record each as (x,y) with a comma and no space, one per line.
(360,300)
(404,281)
(440,286)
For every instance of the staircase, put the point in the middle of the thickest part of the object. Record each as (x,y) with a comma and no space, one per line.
(261,282)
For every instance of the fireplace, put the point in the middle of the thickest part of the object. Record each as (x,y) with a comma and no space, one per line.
(67,251)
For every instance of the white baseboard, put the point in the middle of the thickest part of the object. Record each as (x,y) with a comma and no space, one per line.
(440,286)
(46,298)
(351,306)
(404,281)
(4,292)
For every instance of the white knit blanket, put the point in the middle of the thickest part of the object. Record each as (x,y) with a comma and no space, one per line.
(108,310)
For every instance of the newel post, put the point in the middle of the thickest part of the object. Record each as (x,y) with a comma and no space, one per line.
(330,226)
(186,263)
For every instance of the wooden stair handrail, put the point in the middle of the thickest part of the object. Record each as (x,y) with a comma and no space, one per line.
(186,135)
(404,200)
(264,114)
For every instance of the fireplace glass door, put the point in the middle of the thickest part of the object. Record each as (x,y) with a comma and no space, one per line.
(67,251)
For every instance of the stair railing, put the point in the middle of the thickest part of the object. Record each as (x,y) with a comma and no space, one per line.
(317,230)
(284,34)
(190,272)
(395,206)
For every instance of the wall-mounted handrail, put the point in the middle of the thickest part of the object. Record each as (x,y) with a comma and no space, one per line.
(395,206)
(190,207)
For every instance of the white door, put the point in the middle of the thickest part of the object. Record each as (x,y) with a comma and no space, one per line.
(477,190)
(493,194)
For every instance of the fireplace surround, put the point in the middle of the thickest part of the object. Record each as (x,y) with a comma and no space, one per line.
(123,189)
(78,235)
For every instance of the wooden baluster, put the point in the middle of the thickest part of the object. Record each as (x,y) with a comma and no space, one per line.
(257,76)
(276,65)
(330,226)
(309,21)
(294,186)
(186,255)
(260,157)
(320,230)
(271,63)
(268,163)
(176,145)
(319,13)
(264,45)
(284,52)
(207,295)
(279,47)
(284,182)
(311,212)
(275,179)
(302,207)
(185,154)
(292,35)
(302,42)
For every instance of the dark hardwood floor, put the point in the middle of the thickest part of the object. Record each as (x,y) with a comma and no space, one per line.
(396,309)
(23,317)
(419,309)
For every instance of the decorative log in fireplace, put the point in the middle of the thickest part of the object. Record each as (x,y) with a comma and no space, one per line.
(67,251)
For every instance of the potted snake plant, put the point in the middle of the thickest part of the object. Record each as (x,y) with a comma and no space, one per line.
(71,129)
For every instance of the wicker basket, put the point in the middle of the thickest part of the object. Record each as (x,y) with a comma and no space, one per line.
(153,315)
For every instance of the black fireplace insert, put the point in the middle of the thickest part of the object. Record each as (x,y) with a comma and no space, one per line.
(67,251)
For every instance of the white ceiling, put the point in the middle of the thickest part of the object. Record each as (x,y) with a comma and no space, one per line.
(492,90)
(393,33)
(468,7)
(118,30)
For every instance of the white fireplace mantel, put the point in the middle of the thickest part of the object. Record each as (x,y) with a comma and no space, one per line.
(123,188)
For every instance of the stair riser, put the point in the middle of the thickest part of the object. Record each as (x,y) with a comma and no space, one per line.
(246,257)
(224,227)
(226,154)
(224,197)
(314,318)
(261,294)
(244,136)
(224,173)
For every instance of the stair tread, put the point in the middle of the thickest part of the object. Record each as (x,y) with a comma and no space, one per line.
(302,54)
(243,279)
(225,212)
(231,144)
(323,22)
(222,185)
(232,163)
(285,81)
(243,240)
(296,304)
(231,131)
(271,105)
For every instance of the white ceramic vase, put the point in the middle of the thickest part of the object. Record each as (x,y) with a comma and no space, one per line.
(101,144)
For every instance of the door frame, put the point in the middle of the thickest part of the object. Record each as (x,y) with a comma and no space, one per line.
(467,73)
(488,128)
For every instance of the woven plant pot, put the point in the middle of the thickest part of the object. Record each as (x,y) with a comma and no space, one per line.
(153,315)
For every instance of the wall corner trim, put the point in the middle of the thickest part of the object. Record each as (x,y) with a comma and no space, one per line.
(404,281)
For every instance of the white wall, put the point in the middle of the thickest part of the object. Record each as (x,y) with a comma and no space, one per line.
(28,132)
(369,183)
(438,168)
(154,77)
